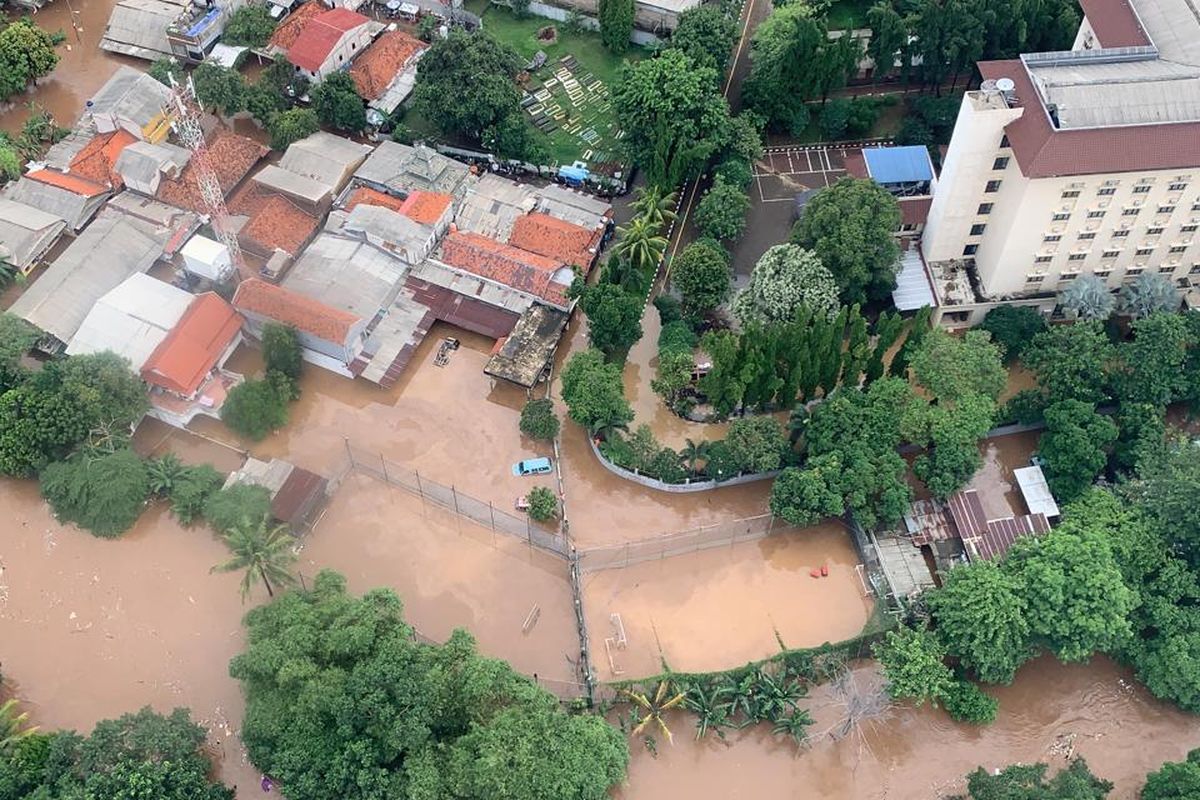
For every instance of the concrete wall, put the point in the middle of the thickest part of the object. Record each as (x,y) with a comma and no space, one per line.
(350,45)
(646,18)
(676,488)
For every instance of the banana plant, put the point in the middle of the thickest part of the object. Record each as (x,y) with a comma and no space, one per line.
(653,708)
(794,725)
(711,706)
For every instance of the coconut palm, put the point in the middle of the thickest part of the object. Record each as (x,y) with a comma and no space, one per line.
(641,244)
(1087,297)
(164,474)
(655,205)
(693,452)
(263,551)
(653,708)
(12,726)
(1148,293)
(605,430)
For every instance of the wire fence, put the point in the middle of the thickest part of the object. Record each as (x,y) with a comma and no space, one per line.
(452,499)
(722,534)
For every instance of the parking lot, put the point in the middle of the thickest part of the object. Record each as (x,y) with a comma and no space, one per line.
(783,172)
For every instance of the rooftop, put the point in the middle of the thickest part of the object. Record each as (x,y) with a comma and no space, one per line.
(423,207)
(400,169)
(73,208)
(325,158)
(898,164)
(289,30)
(528,272)
(524,354)
(274,221)
(554,238)
(318,38)
(97,161)
(292,308)
(76,184)
(293,184)
(195,344)
(26,233)
(138,28)
(131,319)
(231,156)
(400,235)
(132,95)
(347,274)
(374,70)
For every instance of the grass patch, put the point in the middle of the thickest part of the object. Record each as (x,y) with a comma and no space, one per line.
(848,14)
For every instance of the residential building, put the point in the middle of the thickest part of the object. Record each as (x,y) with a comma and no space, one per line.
(154,29)
(73,199)
(389,230)
(132,319)
(330,41)
(327,159)
(232,158)
(288,31)
(132,101)
(273,223)
(387,71)
(142,166)
(1072,163)
(26,234)
(310,195)
(428,208)
(545,278)
(394,168)
(296,494)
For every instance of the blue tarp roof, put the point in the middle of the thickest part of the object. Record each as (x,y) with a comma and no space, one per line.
(204,22)
(898,164)
(573,173)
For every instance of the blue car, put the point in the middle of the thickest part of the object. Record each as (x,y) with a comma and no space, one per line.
(532,466)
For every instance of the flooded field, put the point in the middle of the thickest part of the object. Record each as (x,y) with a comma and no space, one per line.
(82,66)
(722,607)
(1051,710)
(450,574)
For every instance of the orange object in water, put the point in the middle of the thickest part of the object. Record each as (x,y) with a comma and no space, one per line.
(814,573)
(824,570)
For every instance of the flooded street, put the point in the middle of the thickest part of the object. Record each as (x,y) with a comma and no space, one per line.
(998,490)
(82,66)
(1051,709)
(719,608)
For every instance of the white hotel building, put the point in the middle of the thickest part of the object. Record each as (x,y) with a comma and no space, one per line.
(1070,163)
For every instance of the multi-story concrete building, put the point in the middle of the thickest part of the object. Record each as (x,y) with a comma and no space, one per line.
(1071,163)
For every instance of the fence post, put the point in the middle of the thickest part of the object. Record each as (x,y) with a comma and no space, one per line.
(349,452)
(454,494)
(771,525)
(492,512)
(383,463)
(420,490)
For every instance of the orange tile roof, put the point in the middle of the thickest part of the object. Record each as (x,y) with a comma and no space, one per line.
(511,266)
(318,38)
(426,207)
(372,197)
(374,70)
(288,31)
(63,180)
(291,308)
(97,160)
(555,238)
(184,358)
(274,221)
(231,156)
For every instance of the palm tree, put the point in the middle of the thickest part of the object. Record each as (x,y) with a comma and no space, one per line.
(605,430)
(1087,297)
(12,726)
(641,244)
(263,551)
(693,452)
(655,206)
(710,704)
(164,473)
(653,708)
(1148,293)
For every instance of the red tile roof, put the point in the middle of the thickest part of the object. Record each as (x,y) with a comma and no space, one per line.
(365,194)
(374,70)
(291,308)
(289,30)
(184,358)
(511,266)
(97,160)
(71,183)
(319,37)
(231,156)
(274,221)
(554,238)
(1043,151)
(1115,23)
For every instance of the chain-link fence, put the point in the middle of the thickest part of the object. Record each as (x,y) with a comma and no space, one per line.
(452,499)
(722,534)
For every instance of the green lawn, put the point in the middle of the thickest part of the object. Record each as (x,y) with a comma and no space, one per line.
(848,14)
(587,124)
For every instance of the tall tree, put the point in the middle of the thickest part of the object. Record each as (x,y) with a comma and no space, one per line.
(1088,297)
(951,367)
(1178,780)
(889,38)
(641,244)
(1148,293)
(336,101)
(701,274)
(787,57)
(614,317)
(1074,446)
(785,280)
(914,664)
(219,88)
(1071,362)
(616,23)
(707,35)
(1151,367)
(262,552)
(104,494)
(950,432)
(721,213)
(250,26)
(980,613)
(950,37)
(1013,328)
(594,393)
(655,205)
(26,54)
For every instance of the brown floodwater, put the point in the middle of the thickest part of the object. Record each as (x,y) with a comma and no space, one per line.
(723,607)
(1050,711)
(82,66)
(998,490)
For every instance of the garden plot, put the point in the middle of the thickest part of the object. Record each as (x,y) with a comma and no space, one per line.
(572,106)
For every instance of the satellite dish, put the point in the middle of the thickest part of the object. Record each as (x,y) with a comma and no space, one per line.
(1005,84)
(988,86)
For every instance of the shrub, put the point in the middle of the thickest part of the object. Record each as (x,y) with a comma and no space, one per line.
(104,494)
(676,335)
(966,702)
(191,491)
(543,505)
(666,466)
(757,444)
(281,350)
(669,309)
(256,407)
(538,420)
(722,212)
(734,171)
(239,503)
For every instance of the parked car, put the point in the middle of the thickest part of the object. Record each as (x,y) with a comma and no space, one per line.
(532,466)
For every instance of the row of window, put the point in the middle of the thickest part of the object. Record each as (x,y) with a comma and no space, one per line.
(1145,249)
(1130,272)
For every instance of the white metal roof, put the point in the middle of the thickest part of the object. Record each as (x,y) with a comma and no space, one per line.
(348,274)
(1036,491)
(325,158)
(201,248)
(26,232)
(132,319)
(292,183)
(402,168)
(912,290)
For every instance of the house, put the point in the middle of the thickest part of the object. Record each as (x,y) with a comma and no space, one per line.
(154,29)
(492,205)
(97,159)
(329,337)
(131,319)
(310,195)
(428,208)
(1081,162)
(288,31)
(296,494)
(387,71)
(563,241)
(115,246)
(73,199)
(523,356)
(533,274)
(389,230)
(26,234)
(142,166)
(132,101)
(231,156)
(273,224)
(394,168)
(330,41)
(325,158)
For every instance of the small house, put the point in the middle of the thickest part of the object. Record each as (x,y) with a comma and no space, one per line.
(330,41)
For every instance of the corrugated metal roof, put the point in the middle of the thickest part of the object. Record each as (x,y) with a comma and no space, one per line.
(131,320)
(909,164)
(966,511)
(1036,491)
(75,209)
(138,28)
(913,289)
(293,184)
(26,233)
(347,274)
(325,158)
(401,168)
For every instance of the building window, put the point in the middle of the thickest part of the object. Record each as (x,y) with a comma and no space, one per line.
(1189,228)
(1000,163)
(1177,187)
(1195,270)
(977,229)
(1070,193)
(1068,276)
(1095,214)
(984,208)
(1103,273)
(1077,256)
(1154,230)
(1053,237)
(1132,271)
(1177,248)
(1166,209)
(1043,259)
(1119,234)
(1111,253)
(992,186)
(1034,278)
(1143,251)
(970,250)
(1004,140)
(1130,212)
(1107,190)
(1143,189)
(1087,236)
(1061,217)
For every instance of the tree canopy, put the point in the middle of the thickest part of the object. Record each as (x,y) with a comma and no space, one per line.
(594,393)
(706,34)
(290,126)
(1013,327)
(614,317)
(980,612)
(1028,782)
(721,213)
(1174,780)
(26,54)
(342,701)
(785,280)
(701,274)
(104,494)
(336,101)
(219,87)
(1074,447)
(616,23)
(952,367)
(249,26)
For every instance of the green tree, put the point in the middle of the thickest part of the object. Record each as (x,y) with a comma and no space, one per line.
(281,350)
(951,434)
(1147,293)
(14,728)
(342,701)
(254,408)
(191,491)
(950,37)
(1074,446)
(655,206)
(889,38)
(241,503)
(757,444)
(951,367)
(26,54)
(263,101)
(1169,491)
(1178,780)
(675,369)
(966,702)
(1141,434)
(721,213)
(851,227)
(706,34)
(1013,327)
(17,337)
(616,23)
(804,497)
(538,420)
(724,385)
(219,88)
(640,244)
(290,126)
(1070,362)
(1150,368)
(261,551)
(785,280)
(914,664)
(249,26)
(701,275)
(1088,298)
(163,474)
(614,317)
(543,505)
(673,115)
(336,101)
(980,613)
(594,393)
(10,160)
(1028,782)
(104,494)
(164,69)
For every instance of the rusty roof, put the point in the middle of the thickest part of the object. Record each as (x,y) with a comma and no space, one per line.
(321,35)
(300,492)
(505,264)
(1115,23)
(1000,534)
(184,358)
(966,511)
(291,308)
(914,210)
(386,57)
(289,30)
(274,221)
(558,239)
(97,160)
(72,183)
(231,157)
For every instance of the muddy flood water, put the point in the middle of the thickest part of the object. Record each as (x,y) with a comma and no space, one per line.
(1051,710)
